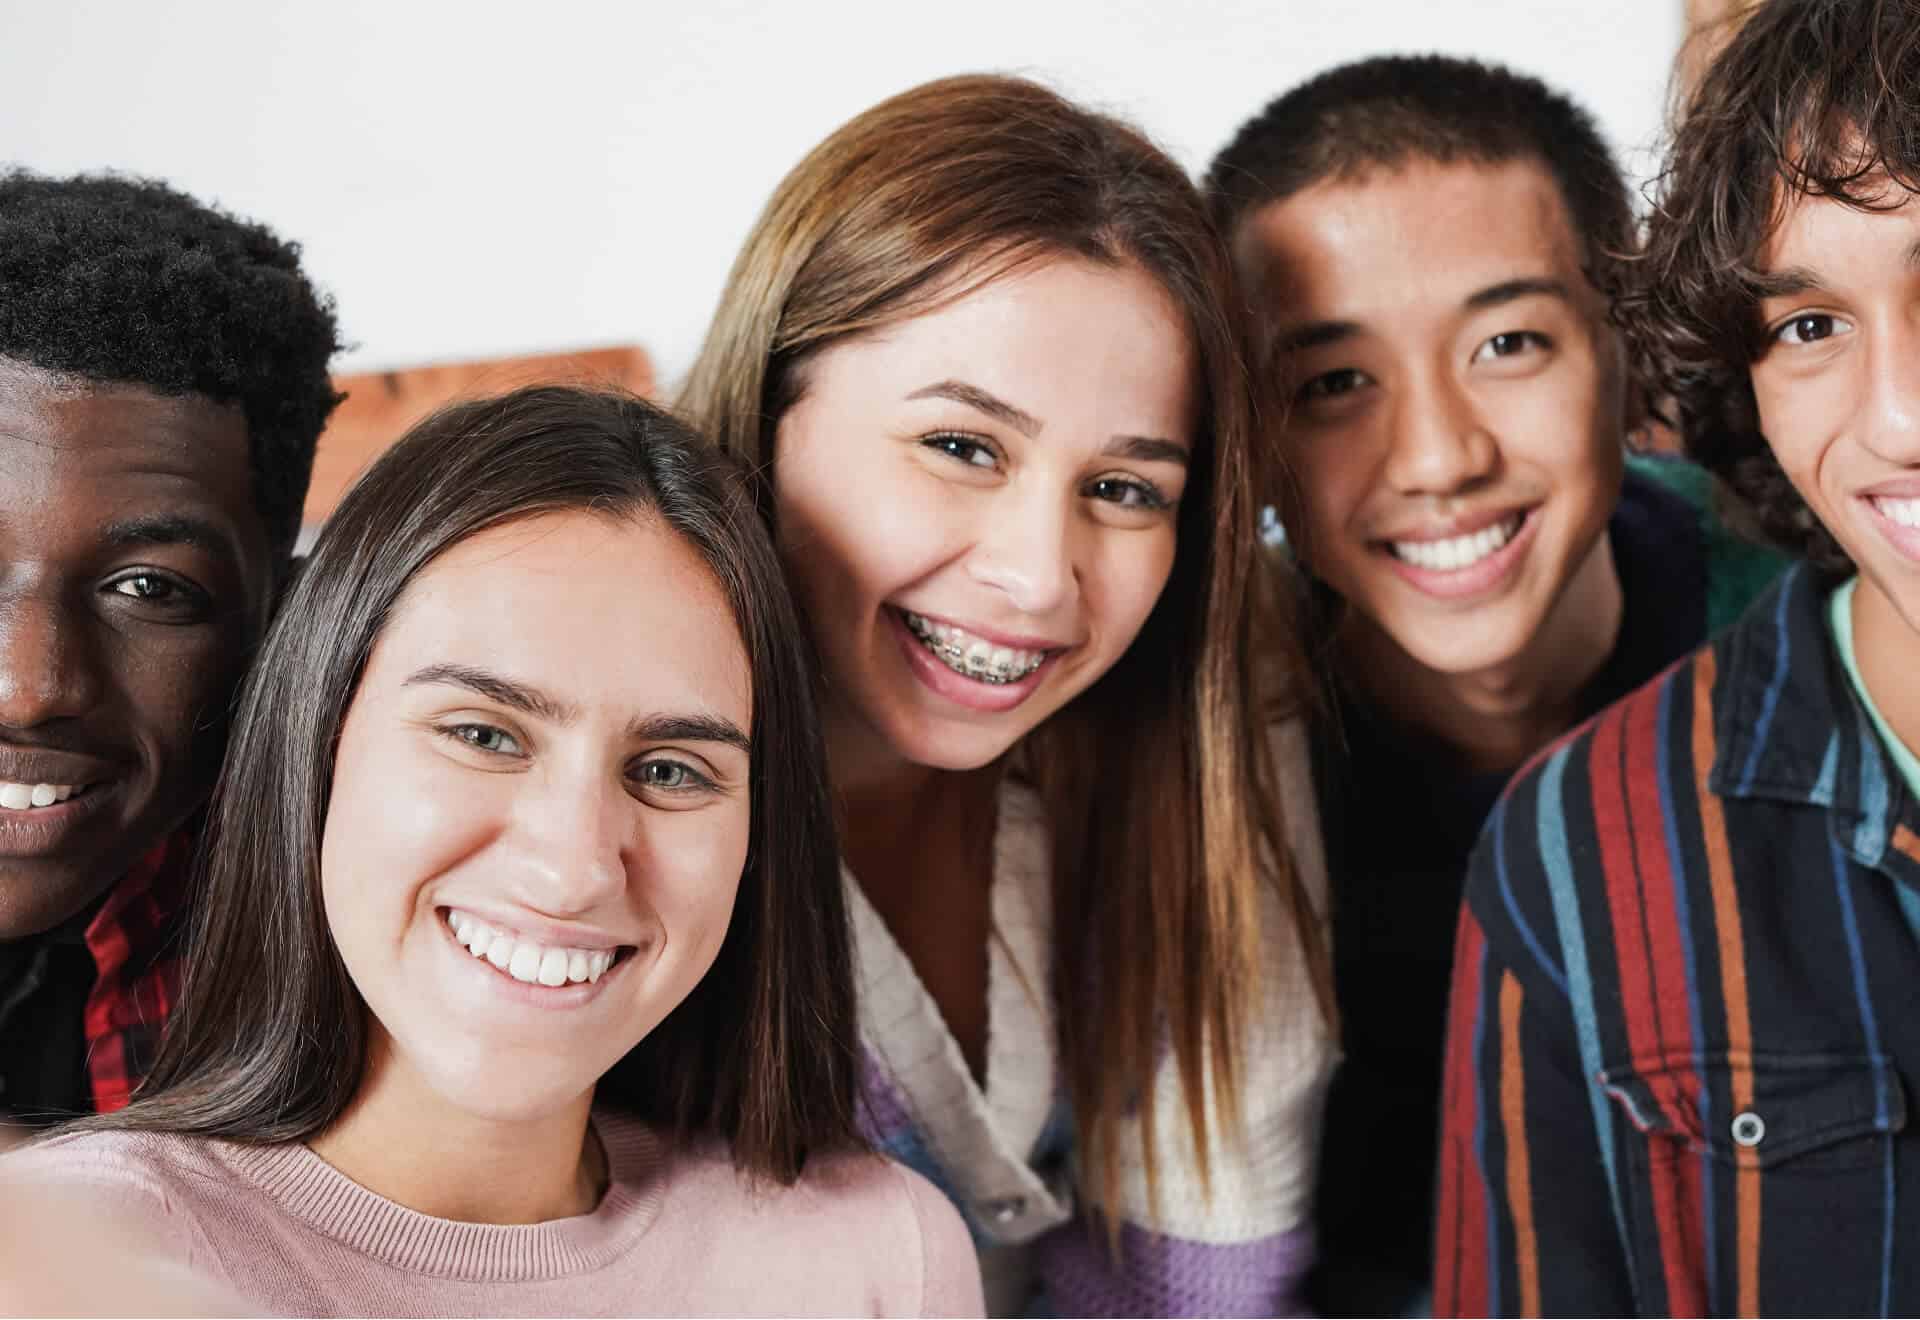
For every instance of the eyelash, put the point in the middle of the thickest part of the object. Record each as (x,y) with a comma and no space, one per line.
(178,593)
(463,732)
(1320,387)
(1151,497)
(1834,328)
(945,442)
(1525,339)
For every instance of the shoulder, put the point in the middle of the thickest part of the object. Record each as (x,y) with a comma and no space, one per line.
(1584,808)
(125,1196)
(900,1205)
(135,1165)
(852,1222)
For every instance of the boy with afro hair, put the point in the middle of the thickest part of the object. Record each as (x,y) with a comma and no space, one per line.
(163,384)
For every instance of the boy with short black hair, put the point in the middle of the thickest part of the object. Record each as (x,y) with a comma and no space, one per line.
(163,383)
(1681,1020)
(1432,244)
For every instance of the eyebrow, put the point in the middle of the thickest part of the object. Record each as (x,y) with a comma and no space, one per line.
(1316,334)
(529,700)
(1139,448)
(1799,279)
(1494,295)
(972,396)
(508,692)
(1146,449)
(173,529)
(691,728)
(1319,334)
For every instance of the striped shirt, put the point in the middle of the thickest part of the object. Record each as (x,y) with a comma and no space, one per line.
(1677,1040)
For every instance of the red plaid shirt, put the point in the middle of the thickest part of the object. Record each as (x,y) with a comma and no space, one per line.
(135,942)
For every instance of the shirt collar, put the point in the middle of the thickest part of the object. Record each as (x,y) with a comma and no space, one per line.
(1790,728)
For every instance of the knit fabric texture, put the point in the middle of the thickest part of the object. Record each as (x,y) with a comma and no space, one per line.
(678,1232)
(1005,1154)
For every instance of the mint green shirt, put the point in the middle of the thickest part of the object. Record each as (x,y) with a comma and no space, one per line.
(1840,622)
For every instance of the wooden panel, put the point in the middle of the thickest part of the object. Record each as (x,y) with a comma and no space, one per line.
(380,406)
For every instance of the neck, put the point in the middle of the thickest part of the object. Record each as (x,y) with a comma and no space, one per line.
(895,814)
(1492,719)
(1883,645)
(401,1140)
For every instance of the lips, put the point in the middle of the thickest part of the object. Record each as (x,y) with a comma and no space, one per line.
(1467,564)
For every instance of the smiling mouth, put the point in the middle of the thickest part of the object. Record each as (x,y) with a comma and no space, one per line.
(970,656)
(527,960)
(1454,553)
(1900,511)
(36,797)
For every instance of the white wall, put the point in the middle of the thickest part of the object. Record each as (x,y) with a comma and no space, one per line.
(485,178)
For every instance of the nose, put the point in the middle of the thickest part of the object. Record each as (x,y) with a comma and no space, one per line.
(1026,551)
(1437,442)
(48,667)
(575,833)
(1890,409)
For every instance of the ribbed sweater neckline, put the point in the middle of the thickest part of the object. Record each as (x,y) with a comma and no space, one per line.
(334,1205)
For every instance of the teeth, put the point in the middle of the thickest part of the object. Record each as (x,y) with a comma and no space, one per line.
(1904,512)
(1457,552)
(24,797)
(973,656)
(524,960)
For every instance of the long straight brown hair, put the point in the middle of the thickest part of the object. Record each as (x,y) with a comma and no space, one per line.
(1160,794)
(269,1042)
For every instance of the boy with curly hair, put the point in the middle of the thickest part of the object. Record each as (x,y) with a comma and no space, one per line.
(1681,1016)
(163,383)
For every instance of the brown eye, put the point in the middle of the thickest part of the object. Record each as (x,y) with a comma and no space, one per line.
(1333,384)
(1811,328)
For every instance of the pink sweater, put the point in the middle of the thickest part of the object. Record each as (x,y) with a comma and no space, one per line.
(678,1233)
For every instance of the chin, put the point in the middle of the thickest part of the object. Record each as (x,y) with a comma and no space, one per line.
(959,749)
(500,1088)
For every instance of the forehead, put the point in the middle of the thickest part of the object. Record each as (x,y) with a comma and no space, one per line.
(1829,237)
(1425,233)
(87,453)
(1068,340)
(618,616)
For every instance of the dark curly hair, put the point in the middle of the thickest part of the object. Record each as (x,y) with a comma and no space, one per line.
(1393,109)
(1813,96)
(126,280)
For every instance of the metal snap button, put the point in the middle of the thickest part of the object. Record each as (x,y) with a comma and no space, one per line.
(1748,1129)
(1004,1209)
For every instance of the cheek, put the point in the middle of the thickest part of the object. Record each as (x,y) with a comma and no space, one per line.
(1789,417)
(181,691)
(873,527)
(693,876)
(1333,474)
(1129,576)
(394,822)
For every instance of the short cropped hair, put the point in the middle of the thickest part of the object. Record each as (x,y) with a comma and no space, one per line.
(128,281)
(1815,97)
(1391,110)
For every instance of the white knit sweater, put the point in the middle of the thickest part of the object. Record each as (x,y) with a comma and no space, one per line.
(1004,1154)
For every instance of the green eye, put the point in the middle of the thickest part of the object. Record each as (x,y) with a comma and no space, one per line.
(672,776)
(485,738)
